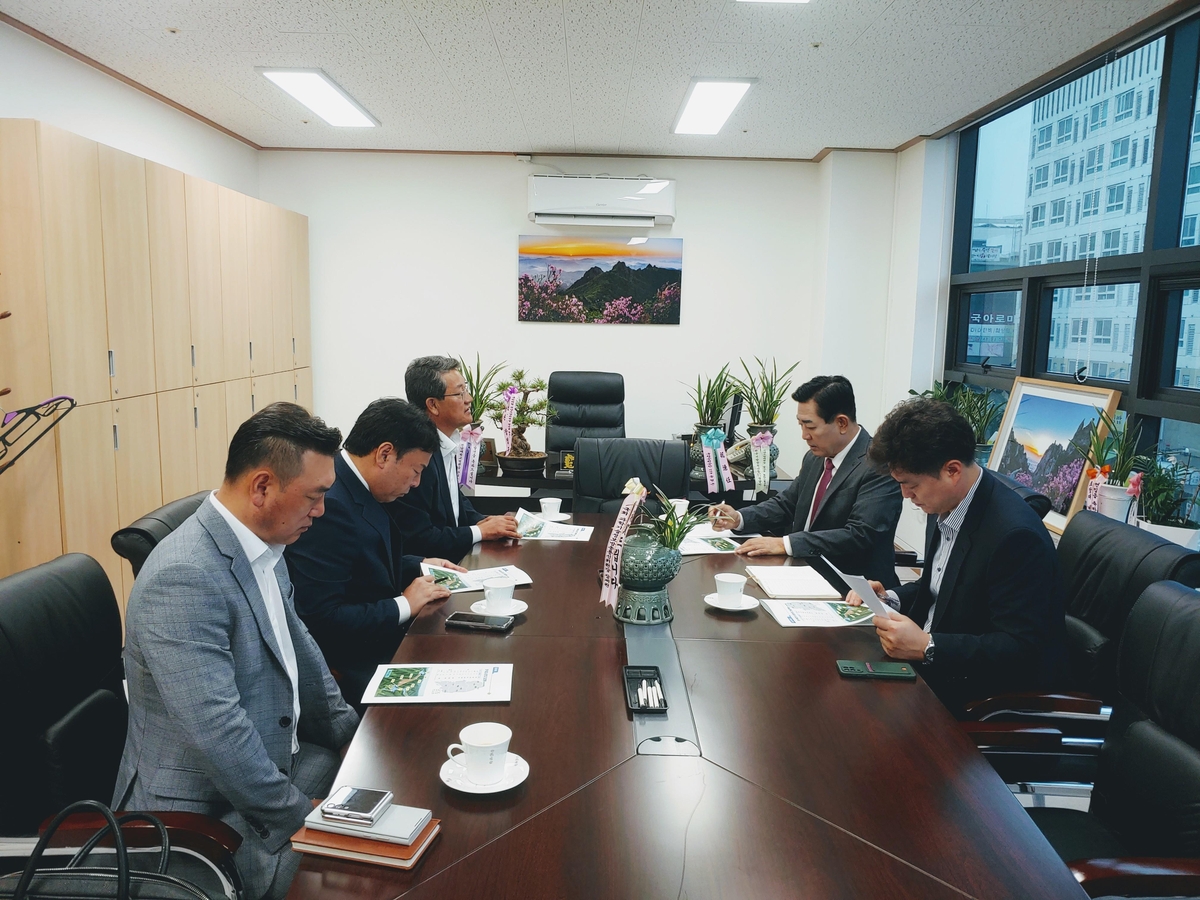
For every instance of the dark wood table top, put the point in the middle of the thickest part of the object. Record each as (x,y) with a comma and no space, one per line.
(808,784)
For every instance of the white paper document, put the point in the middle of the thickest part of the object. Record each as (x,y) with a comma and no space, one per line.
(816,614)
(793,583)
(440,683)
(702,539)
(862,587)
(460,582)
(535,528)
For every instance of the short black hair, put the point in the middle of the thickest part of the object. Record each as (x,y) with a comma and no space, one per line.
(920,436)
(278,436)
(833,395)
(392,421)
(424,378)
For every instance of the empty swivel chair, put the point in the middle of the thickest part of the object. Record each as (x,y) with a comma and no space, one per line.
(135,542)
(603,466)
(585,404)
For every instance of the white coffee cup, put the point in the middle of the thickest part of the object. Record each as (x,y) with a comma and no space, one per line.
(729,589)
(484,747)
(551,506)
(498,596)
(681,506)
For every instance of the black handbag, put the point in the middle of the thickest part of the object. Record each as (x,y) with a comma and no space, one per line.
(84,879)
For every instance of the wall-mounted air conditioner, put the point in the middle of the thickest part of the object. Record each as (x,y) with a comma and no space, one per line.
(601,200)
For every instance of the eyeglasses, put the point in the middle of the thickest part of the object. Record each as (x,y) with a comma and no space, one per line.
(463,393)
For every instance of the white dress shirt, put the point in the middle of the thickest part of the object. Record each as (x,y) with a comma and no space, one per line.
(263,558)
(404,611)
(837,464)
(449,445)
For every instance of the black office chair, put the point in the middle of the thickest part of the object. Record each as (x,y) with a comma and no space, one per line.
(135,542)
(1143,815)
(1038,502)
(585,404)
(603,466)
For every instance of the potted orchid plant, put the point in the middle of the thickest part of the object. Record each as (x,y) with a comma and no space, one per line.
(1164,504)
(1112,459)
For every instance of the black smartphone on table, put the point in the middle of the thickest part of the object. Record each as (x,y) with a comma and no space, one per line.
(477,622)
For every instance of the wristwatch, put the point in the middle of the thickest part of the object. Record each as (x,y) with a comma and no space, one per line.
(929,651)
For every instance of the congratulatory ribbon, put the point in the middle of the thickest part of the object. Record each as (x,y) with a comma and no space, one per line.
(713,451)
(468,456)
(506,423)
(760,459)
(635,493)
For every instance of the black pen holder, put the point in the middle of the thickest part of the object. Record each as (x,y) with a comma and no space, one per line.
(634,675)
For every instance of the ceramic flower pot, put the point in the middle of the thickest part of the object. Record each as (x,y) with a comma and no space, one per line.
(753,429)
(983,452)
(1185,537)
(647,567)
(521,465)
(1114,501)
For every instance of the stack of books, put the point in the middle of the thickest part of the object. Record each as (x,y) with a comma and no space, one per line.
(397,839)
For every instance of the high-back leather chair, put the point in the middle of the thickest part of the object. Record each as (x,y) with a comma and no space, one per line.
(63,705)
(1147,793)
(135,542)
(585,404)
(1106,565)
(603,466)
(1037,501)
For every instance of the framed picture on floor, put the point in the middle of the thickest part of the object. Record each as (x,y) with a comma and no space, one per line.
(1035,444)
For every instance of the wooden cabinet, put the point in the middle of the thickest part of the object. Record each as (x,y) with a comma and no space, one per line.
(87,472)
(177,442)
(301,317)
(272,388)
(235,283)
(204,279)
(126,239)
(30,530)
(24,336)
(139,488)
(303,393)
(73,252)
(239,404)
(167,216)
(212,435)
(262,255)
(282,266)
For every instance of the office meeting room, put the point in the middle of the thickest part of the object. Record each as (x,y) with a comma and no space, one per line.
(599,449)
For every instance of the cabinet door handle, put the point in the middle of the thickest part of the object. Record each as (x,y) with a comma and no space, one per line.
(252,351)
(116,438)
(112,364)
(193,356)
(195,417)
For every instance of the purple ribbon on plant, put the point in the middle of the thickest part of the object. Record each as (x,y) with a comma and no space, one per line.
(712,450)
(760,460)
(635,493)
(468,456)
(510,409)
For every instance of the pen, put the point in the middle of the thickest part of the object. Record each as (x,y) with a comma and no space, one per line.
(641,697)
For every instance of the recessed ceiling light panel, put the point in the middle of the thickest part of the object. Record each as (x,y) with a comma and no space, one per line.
(322,95)
(709,102)
(772,1)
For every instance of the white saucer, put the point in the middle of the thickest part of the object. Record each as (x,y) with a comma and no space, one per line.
(554,517)
(748,602)
(480,606)
(453,775)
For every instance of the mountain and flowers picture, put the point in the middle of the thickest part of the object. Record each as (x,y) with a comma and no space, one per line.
(1035,445)
(602,280)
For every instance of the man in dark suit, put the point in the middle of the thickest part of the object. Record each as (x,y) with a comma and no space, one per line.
(987,615)
(838,506)
(355,589)
(435,517)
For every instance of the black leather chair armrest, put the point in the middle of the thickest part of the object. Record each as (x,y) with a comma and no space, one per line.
(1065,702)
(209,837)
(1013,736)
(1138,876)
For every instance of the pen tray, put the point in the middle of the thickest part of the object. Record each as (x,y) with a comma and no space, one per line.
(633,681)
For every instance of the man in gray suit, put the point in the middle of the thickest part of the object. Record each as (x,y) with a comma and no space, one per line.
(839,506)
(232,711)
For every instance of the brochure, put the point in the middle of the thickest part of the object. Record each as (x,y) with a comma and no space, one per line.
(473,580)
(534,528)
(440,683)
(818,614)
(702,539)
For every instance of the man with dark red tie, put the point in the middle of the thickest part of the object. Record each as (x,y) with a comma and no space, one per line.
(839,506)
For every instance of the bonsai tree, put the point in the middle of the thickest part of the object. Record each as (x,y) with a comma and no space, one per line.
(764,392)
(712,396)
(482,385)
(528,412)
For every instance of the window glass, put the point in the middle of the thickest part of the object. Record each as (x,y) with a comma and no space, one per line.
(1191,195)
(1187,352)
(1179,445)
(1091,329)
(992,320)
(1092,143)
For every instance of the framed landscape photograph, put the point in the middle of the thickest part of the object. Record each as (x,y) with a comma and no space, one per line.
(599,280)
(1034,443)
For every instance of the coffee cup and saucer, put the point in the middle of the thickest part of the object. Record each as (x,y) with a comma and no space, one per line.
(484,766)
(729,596)
(498,599)
(552,509)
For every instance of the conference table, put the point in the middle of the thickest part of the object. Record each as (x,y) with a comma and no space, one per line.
(806,784)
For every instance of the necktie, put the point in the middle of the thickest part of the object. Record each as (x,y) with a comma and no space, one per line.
(822,485)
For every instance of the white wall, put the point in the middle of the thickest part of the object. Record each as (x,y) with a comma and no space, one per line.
(39,82)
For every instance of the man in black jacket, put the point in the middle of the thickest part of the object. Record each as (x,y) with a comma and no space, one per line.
(435,517)
(838,506)
(355,589)
(986,616)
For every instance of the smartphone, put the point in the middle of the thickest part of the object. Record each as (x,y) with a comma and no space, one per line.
(358,805)
(857,668)
(479,623)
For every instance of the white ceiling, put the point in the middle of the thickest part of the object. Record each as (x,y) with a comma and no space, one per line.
(588,76)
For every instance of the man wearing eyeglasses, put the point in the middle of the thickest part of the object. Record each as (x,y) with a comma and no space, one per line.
(434,517)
